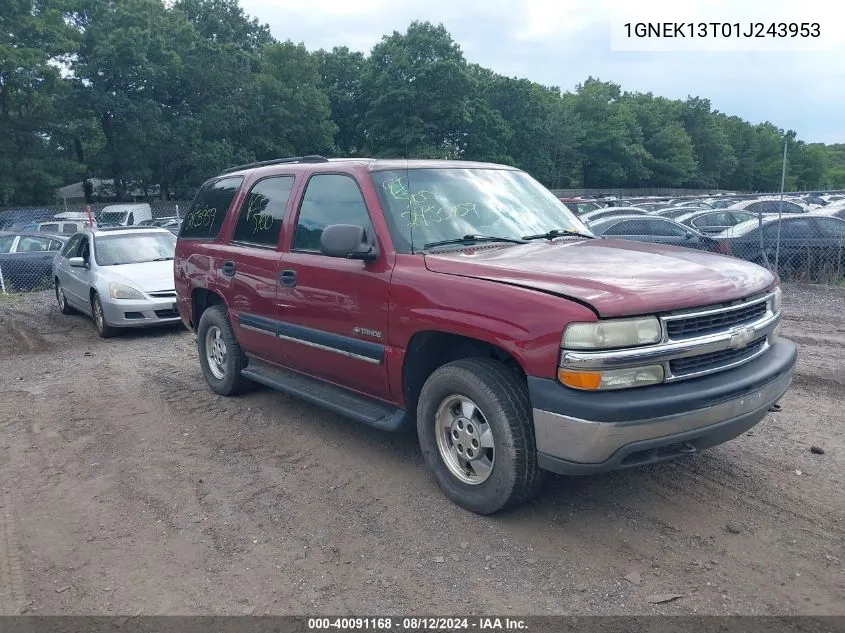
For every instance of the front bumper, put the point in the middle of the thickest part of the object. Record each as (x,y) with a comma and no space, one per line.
(140,313)
(580,432)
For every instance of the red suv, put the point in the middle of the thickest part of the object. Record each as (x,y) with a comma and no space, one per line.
(466,301)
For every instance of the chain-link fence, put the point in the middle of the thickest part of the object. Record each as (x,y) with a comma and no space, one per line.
(31,237)
(807,246)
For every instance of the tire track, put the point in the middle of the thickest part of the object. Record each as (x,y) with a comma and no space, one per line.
(12,594)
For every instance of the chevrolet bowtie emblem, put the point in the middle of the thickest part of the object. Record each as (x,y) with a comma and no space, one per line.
(741,336)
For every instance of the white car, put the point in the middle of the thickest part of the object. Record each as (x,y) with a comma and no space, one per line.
(120,276)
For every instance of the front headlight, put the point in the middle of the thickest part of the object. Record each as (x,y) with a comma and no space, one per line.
(612,334)
(120,291)
(777,297)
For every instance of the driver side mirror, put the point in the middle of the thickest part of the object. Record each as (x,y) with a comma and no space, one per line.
(77,262)
(348,241)
(688,236)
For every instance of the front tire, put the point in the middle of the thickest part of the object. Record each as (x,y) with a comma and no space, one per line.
(476,433)
(64,306)
(221,357)
(103,328)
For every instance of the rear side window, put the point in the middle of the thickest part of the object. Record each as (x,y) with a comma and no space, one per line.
(33,244)
(207,213)
(6,244)
(329,199)
(49,228)
(832,227)
(263,210)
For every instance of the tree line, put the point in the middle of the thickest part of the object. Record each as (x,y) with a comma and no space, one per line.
(160,96)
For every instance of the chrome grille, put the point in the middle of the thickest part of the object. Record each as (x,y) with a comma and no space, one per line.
(701,325)
(681,367)
(163,294)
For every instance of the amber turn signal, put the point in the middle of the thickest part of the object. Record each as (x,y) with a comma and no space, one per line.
(579,379)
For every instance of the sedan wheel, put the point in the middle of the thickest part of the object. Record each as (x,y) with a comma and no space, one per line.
(60,297)
(103,328)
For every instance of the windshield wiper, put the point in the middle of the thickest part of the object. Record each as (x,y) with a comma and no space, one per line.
(162,259)
(557,233)
(473,239)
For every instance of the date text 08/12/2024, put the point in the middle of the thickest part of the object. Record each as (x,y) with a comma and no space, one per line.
(722,29)
(417,624)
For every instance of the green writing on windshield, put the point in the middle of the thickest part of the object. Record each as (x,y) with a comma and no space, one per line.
(423,206)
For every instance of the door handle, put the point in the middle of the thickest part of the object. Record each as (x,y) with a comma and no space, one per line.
(228,269)
(287,278)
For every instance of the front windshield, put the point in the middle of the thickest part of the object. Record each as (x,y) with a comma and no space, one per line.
(432,205)
(115,250)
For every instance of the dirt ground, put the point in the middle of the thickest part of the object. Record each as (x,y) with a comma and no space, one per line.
(128,487)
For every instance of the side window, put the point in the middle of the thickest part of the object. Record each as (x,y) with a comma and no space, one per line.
(33,244)
(798,229)
(49,228)
(206,215)
(794,229)
(711,219)
(84,249)
(131,220)
(756,207)
(329,199)
(739,218)
(263,210)
(71,247)
(6,243)
(621,228)
(55,245)
(663,229)
(69,228)
(831,227)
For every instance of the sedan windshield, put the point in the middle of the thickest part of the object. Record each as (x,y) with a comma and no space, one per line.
(135,248)
(425,206)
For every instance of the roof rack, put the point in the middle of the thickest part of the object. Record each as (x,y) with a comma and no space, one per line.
(278,161)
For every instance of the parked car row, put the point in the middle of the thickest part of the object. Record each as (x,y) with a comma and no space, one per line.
(810,229)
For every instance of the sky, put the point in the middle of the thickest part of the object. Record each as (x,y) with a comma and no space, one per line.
(796,83)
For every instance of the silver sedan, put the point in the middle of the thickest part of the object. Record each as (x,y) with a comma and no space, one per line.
(122,277)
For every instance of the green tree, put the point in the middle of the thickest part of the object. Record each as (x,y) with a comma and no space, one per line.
(340,73)
(419,96)
(33,161)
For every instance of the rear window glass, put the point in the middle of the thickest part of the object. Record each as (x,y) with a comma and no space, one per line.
(206,215)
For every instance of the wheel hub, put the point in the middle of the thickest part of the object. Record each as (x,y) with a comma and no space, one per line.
(215,352)
(466,438)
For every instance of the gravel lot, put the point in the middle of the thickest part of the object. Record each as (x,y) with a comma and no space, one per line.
(128,486)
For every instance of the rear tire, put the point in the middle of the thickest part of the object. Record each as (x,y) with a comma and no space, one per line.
(476,432)
(103,328)
(221,357)
(64,306)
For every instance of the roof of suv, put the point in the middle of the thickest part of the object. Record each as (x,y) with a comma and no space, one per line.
(125,230)
(370,164)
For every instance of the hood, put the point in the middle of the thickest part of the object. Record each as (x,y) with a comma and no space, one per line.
(148,276)
(615,277)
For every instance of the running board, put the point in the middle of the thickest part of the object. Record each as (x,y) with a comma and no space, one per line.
(337,399)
